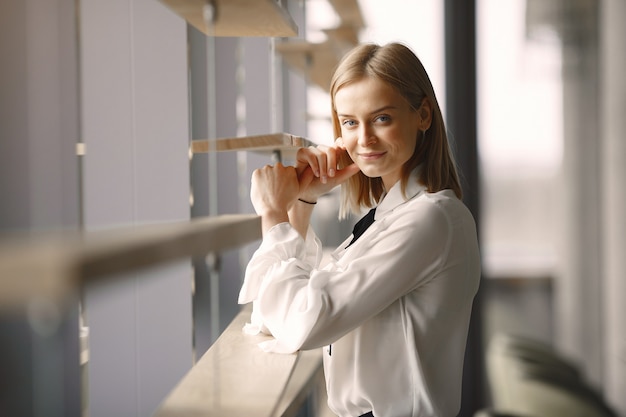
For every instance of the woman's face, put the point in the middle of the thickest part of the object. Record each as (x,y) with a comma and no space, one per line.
(378,127)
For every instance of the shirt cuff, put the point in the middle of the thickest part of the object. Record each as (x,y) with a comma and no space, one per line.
(280,243)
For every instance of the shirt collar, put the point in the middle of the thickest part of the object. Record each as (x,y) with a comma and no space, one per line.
(394,197)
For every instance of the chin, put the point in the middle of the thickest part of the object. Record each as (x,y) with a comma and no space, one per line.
(370,173)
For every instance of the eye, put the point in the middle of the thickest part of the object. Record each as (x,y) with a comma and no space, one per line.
(383,118)
(348,123)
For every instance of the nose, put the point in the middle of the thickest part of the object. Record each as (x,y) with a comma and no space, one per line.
(366,136)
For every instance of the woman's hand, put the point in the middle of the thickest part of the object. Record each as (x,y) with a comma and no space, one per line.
(274,188)
(317,170)
(273,191)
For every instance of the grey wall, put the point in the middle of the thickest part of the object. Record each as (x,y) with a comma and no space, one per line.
(136,170)
(39,367)
(38,116)
(214,178)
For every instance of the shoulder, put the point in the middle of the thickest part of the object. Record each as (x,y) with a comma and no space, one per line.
(430,206)
(442,203)
(424,218)
(436,215)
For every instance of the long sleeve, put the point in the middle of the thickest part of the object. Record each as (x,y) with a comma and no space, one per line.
(304,307)
(282,244)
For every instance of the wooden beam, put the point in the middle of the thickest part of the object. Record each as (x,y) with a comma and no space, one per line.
(238,18)
(141,246)
(349,12)
(346,37)
(283,142)
(54,267)
(316,61)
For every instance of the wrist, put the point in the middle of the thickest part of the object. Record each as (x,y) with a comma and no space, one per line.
(308,197)
(277,216)
(270,219)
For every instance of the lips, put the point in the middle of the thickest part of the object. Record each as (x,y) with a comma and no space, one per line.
(370,156)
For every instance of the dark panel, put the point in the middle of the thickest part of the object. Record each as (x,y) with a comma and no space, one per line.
(460,44)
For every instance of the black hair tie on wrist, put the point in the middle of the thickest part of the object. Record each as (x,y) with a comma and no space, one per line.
(307,202)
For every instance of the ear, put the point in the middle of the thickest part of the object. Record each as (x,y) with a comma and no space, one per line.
(425,115)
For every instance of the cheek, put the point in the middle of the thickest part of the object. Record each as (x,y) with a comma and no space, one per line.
(411,143)
(409,139)
(348,139)
(350,143)
(404,145)
(351,153)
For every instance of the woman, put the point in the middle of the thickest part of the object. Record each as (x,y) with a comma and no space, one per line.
(392,305)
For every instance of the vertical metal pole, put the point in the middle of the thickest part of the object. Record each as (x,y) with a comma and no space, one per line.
(212,261)
(460,45)
(277,156)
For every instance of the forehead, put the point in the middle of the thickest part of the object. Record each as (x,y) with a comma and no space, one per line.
(367,94)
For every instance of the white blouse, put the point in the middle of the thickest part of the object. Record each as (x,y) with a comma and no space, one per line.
(394,306)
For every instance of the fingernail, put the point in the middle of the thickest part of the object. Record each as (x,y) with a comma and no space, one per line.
(331,172)
(324,179)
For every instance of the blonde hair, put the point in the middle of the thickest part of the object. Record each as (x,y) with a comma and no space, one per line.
(398,66)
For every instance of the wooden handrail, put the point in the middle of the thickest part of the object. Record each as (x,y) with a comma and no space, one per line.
(307,382)
(236,378)
(53,267)
(233,378)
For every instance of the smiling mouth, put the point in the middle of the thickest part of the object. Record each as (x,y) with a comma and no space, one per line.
(369,156)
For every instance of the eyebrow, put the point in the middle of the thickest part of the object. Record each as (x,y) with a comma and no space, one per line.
(389,107)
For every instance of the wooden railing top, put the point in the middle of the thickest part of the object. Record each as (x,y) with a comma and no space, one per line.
(54,266)
(235,378)
(285,143)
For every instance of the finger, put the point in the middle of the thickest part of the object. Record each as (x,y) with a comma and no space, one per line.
(306,157)
(332,161)
(322,160)
(305,178)
(258,174)
(347,172)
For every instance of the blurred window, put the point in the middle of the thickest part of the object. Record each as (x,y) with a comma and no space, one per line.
(520,140)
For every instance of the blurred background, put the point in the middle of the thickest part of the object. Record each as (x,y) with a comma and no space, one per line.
(99,101)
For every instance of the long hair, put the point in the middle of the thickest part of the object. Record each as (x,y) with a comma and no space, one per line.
(398,66)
